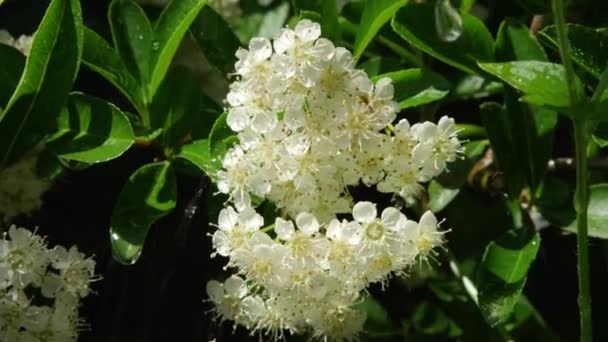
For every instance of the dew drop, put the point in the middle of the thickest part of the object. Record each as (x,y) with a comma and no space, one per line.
(140,37)
(155,45)
(448,22)
(123,251)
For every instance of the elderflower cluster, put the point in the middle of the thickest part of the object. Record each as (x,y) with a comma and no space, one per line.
(40,288)
(23,43)
(21,188)
(310,126)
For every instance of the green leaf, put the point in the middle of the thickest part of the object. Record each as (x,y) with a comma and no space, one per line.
(169,30)
(149,194)
(415,87)
(198,154)
(440,196)
(133,36)
(177,100)
(509,257)
(49,72)
(11,69)
(588,46)
(100,57)
(221,139)
(542,83)
(502,274)
(215,39)
(264,24)
(530,127)
(475,86)
(515,42)
(375,14)
(597,212)
(412,23)
(500,130)
(330,26)
(91,130)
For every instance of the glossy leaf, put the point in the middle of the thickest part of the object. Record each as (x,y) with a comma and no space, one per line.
(502,274)
(149,194)
(510,256)
(132,34)
(169,31)
(198,153)
(215,39)
(542,83)
(475,86)
(91,130)
(45,83)
(412,23)
(100,57)
(588,47)
(415,87)
(597,212)
(375,14)
(11,69)
(175,104)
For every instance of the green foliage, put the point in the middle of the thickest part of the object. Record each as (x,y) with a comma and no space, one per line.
(375,15)
(474,45)
(416,87)
(505,94)
(542,83)
(588,46)
(149,195)
(216,39)
(11,68)
(91,130)
(502,274)
(45,83)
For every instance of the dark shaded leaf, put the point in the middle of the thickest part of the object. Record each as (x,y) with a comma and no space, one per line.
(149,195)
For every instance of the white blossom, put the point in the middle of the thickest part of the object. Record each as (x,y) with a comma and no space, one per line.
(30,271)
(310,127)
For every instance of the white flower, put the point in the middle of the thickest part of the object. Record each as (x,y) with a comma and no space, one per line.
(28,271)
(21,189)
(310,127)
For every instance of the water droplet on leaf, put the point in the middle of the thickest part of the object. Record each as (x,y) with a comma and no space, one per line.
(155,45)
(448,22)
(122,250)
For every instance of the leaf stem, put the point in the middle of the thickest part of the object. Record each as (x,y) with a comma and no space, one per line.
(581,138)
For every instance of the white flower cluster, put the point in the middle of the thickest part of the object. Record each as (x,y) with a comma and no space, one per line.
(21,188)
(40,288)
(310,126)
(23,43)
(308,278)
